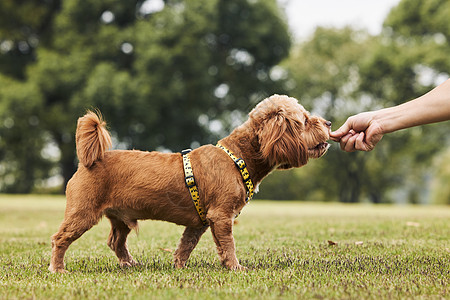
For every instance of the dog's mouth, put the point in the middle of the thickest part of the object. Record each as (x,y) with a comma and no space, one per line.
(319,150)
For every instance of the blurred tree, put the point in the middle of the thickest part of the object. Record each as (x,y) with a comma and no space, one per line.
(21,140)
(162,76)
(24,24)
(423,26)
(23,158)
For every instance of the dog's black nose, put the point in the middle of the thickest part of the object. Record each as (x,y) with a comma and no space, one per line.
(328,123)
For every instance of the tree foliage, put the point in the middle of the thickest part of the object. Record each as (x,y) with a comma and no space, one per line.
(161,78)
(423,26)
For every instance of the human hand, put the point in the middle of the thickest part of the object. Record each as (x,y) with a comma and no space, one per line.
(360,132)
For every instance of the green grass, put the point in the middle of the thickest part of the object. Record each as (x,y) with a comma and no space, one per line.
(382,252)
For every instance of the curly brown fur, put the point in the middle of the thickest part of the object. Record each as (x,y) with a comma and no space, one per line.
(127,186)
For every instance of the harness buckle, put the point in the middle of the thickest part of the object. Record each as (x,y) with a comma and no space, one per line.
(185,151)
(190,181)
(241,164)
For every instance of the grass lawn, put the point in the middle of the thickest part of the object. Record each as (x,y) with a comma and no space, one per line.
(379,252)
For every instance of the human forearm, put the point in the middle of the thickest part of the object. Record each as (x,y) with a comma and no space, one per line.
(363,131)
(429,108)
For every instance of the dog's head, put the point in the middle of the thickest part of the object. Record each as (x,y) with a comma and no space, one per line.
(288,135)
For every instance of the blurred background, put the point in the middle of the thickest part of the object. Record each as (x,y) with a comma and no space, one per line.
(169,75)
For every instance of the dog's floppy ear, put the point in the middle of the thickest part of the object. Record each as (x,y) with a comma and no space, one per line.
(281,141)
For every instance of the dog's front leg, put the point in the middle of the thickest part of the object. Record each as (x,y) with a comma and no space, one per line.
(222,232)
(188,241)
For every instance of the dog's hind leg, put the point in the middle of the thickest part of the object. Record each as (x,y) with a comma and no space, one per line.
(73,226)
(117,241)
(188,241)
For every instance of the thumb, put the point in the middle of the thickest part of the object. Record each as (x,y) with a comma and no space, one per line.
(343,130)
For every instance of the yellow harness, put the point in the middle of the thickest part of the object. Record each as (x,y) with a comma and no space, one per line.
(240,164)
(192,186)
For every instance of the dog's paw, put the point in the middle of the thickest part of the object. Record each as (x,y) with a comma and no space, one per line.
(128,263)
(179,265)
(238,267)
(57,270)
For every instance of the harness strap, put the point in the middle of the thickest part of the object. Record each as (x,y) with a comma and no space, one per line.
(240,164)
(191,185)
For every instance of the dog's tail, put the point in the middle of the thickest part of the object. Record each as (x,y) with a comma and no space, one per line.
(92,138)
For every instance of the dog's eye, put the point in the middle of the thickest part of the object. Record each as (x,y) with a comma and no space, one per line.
(306,121)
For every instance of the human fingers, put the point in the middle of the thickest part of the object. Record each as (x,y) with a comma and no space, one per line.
(343,140)
(348,142)
(342,131)
(334,137)
(350,145)
(360,144)
(338,134)
(373,136)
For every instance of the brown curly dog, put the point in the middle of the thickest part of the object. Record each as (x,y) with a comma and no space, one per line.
(127,186)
